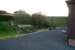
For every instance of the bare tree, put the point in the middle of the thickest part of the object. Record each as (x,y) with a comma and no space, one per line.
(21,17)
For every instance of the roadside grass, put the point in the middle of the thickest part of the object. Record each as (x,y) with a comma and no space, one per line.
(6,30)
(7,35)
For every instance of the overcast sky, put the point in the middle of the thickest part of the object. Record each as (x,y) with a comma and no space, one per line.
(48,7)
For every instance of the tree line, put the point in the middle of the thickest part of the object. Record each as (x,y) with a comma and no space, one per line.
(37,20)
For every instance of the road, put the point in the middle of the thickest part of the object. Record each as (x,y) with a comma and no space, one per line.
(49,40)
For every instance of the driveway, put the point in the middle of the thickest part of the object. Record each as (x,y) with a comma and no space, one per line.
(49,40)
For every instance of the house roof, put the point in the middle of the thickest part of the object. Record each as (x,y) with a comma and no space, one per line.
(6,14)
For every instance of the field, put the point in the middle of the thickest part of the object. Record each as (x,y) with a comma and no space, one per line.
(58,21)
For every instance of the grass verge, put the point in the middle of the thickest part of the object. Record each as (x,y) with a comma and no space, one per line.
(7,35)
(4,36)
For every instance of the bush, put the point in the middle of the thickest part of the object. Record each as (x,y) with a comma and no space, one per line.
(5,27)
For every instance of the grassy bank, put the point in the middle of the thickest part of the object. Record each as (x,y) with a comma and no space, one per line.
(7,35)
(6,30)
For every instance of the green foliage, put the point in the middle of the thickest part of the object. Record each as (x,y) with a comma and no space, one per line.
(5,18)
(27,29)
(5,27)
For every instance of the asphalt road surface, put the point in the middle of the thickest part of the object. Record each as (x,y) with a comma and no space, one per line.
(49,40)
